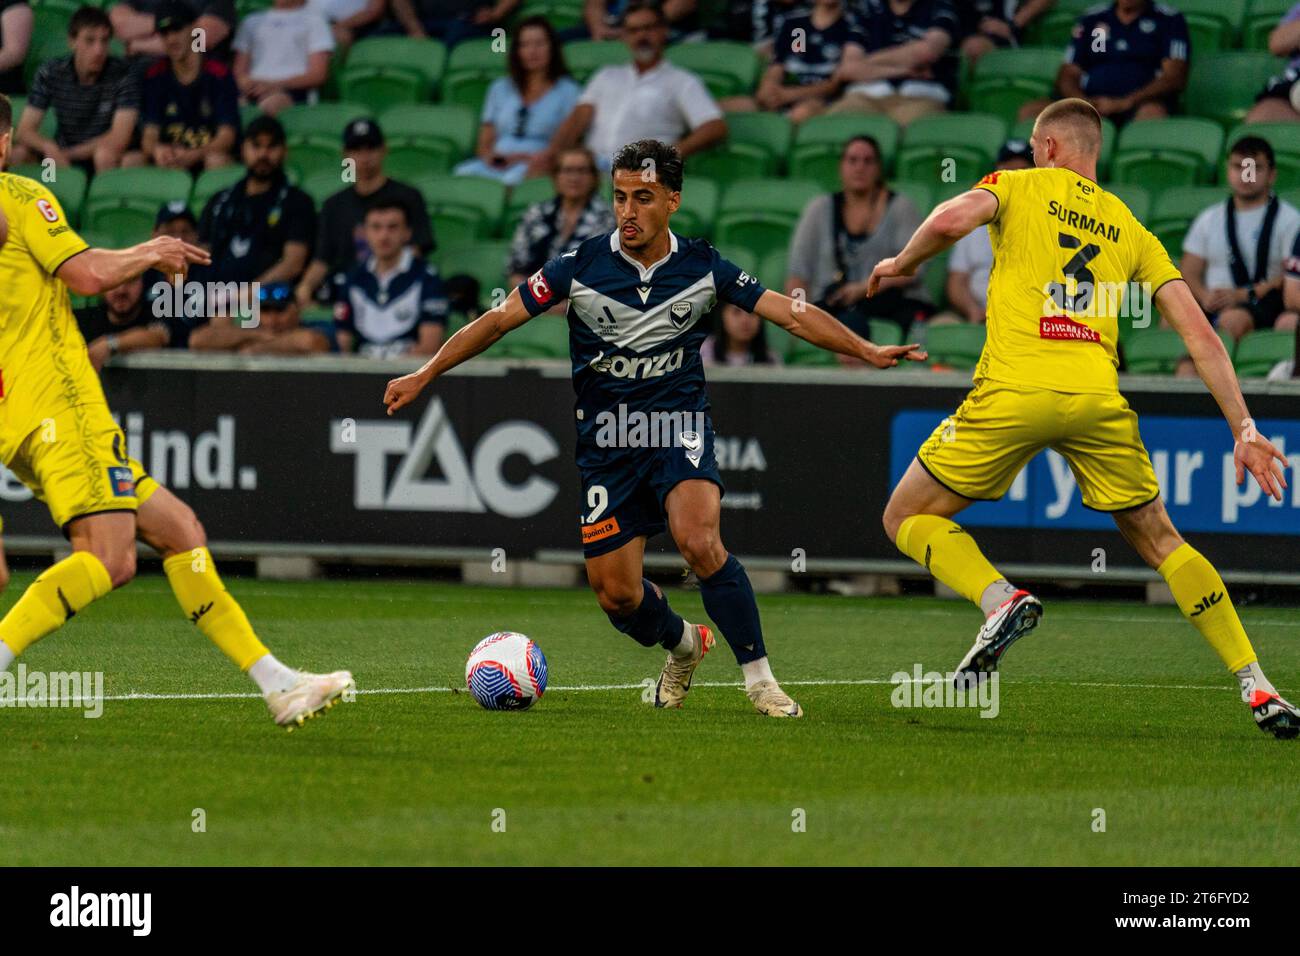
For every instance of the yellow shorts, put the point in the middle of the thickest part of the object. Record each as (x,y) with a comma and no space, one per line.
(978,451)
(76,463)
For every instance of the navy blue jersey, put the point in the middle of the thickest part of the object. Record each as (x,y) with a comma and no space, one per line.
(1118,59)
(883,29)
(818,52)
(189,116)
(635,333)
(385,312)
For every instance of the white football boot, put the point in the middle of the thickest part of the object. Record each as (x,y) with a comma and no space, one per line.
(675,678)
(770,700)
(309,695)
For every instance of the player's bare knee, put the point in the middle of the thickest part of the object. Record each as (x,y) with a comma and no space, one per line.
(700,546)
(617,598)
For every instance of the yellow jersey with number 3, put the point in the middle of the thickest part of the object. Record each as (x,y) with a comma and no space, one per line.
(1068,259)
(44,368)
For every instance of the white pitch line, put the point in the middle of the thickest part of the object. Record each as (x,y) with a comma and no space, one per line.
(584,688)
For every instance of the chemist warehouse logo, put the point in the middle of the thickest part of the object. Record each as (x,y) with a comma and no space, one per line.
(472,480)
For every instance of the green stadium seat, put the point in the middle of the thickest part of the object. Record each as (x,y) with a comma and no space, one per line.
(1262,16)
(1006,79)
(546,336)
(760,214)
(212,181)
(1258,352)
(970,140)
(1053,29)
(1213,25)
(1109,136)
(459,226)
(934,278)
(773,269)
(727,67)
(1137,198)
(585,57)
(531,191)
(472,67)
(562,13)
(919,191)
(49,122)
(1223,86)
(426,58)
(310,155)
(819,141)
(69,186)
(470,197)
(699,209)
(322,184)
(1178,151)
(779,341)
(124,202)
(1153,351)
(245,7)
(885,332)
(49,39)
(438,135)
(1284,137)
(484,261)
(957,345)
(379,87)
(807,355)
(757,145)
(320,120)
(1176,208)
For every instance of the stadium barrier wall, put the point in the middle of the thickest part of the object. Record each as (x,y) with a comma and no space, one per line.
(296,457)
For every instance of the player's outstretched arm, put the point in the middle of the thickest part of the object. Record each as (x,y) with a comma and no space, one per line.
(825,331)
(469,341)
(95,271)
(1252,452)
(947,222)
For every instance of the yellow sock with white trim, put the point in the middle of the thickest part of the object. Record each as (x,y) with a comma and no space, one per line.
(945,550)
(208,604)
(61,591)
(1203,599)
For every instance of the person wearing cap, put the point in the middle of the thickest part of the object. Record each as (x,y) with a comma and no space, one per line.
(340,237)
(135,23)
(190,114)
(282,55)
(260,229)
(278,329)
(971,260)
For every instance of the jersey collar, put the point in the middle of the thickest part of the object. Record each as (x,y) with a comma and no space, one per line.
(645,272)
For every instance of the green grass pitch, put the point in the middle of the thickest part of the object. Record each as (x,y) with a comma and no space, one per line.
(1117,707)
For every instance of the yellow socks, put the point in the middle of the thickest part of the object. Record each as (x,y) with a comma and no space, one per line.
(945,550)
(208,605)
(1204,601)
(60,592)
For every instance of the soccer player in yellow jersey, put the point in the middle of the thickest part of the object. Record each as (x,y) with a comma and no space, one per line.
(1047,379)
(58,437)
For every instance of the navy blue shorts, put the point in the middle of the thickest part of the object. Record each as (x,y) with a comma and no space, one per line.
(625,499)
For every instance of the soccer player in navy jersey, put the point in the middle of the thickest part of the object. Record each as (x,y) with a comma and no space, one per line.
(636,297)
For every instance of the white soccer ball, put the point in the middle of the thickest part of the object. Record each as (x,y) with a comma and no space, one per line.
(506,671)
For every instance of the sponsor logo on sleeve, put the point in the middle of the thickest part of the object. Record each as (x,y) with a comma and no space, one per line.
(49,212)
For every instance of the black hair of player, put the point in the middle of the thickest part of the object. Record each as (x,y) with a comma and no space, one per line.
(662,157)
(654,6)
(87,18)
(1253,147)
(387,205)
(265,126)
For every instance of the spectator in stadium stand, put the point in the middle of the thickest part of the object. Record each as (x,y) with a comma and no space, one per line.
(278,331)
(174,219)
(261,228)
(135,24)
(739,340)
(523,109)
(392,304)
(648,98)
(1277,101)
(95,98)
(124,322)
(909,66)
(16,20)
(602,20)
(340,238)
(1129,60)
(557,225)
(451,20)
(993,24)
(756,22)
(840,238)
(1235,251)
(190,113)
(971,261)
(282,55)
(350,20)
(809,47)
